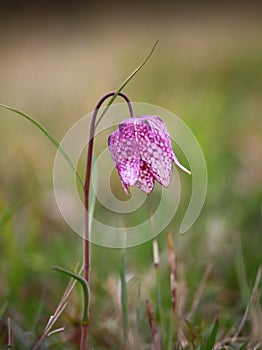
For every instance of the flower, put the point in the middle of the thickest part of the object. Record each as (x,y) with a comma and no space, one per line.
(142,152)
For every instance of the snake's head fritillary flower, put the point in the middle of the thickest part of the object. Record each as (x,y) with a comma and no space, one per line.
(142,153)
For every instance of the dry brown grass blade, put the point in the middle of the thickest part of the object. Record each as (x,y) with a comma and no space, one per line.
(199,292)
(60,308)
(258,346)
(156,254)
(10,334)
(153,325)
(252,297)
(236,337)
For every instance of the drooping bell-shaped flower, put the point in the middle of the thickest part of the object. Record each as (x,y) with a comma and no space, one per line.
(142,152)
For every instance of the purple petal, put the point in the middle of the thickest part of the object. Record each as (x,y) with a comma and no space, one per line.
(124,151)
(156,122)
(113,140)
(146,180)
(155,147)
(161,126)
(125,188)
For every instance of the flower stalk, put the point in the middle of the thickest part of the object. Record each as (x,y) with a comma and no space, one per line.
(86,187)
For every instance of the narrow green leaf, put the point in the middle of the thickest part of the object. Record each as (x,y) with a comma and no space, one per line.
(241,270)
(126,82)
(212,337)
(170,331)
(3,309)
(48,135)
(85,288)
(158,297)
(124,297)
(138,311)
(244,345)
(5,217)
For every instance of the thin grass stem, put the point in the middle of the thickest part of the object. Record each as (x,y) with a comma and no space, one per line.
(157,273)
(153,325)
(172,262)
(48,135)
(60,308)
(199,292)
(124,301)
(10,334)
(138,313)
(126,82)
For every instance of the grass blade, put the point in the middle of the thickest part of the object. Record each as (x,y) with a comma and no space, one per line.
(85,288)
(153,325)
(10,334)
(126,82)
(212,337)
(157,273)
(6,216)
(172,262)
(244,345)
(124,298)
(138,312)
(48,135)
(3,309)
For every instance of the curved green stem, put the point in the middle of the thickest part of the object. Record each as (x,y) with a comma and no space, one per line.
(85,288)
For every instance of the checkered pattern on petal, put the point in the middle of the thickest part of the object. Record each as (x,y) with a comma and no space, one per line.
(146,180)
(156,122)
(155,147)
(124,152)
(142,152)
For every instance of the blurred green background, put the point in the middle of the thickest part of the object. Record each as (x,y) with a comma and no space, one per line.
(207,69)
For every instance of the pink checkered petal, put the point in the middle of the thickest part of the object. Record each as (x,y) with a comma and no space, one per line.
(124,152)
(146,180)
(142,152)
(155,148)
(125,188)
(113,141)
(156,122)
